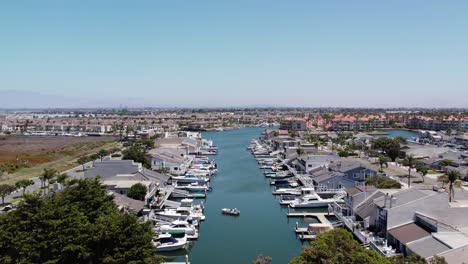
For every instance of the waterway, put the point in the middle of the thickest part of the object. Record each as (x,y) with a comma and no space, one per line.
(408,134)
(262,227)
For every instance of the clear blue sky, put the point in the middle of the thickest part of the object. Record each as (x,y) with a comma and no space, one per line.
(237,53)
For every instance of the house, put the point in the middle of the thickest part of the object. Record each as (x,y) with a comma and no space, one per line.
(343,174)
(176,160)
(187,143)
(120,175)
(412,221)
(307,163)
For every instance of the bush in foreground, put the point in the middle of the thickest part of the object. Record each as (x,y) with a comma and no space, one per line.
(79,225)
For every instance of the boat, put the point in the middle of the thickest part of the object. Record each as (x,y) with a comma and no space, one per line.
(183,213)
(194,187)
(313,200)
(189,178)
(166,242)
(280,182)
(180,227)
(230,211)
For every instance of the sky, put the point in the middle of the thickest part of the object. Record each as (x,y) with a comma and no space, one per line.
(307,53)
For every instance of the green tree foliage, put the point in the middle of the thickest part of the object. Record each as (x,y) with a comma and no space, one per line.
(388,145)
(401,140)
(335,247)
(338,246)
(137,192)
(102,153)
(79,225)
(383,182)
(453,180)
(423,170)
(410,162)
(23,184)
(6,189)
(137,153)
(383,161)
(300,151)
(83,160)
(47,175)
(343,153)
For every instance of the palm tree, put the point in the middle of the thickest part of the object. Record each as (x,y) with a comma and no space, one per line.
(453,180)
(383,161)
(410,162)
(83,160)
(423,170)
(47,175)
(24,183)
(6,189)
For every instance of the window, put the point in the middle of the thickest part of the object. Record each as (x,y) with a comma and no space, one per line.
(175,168)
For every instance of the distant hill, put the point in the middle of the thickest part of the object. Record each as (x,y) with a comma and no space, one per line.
(26,99)
(10,99)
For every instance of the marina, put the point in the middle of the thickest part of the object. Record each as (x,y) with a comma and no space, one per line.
(262,228)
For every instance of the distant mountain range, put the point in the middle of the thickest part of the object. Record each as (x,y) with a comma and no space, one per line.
(25,99)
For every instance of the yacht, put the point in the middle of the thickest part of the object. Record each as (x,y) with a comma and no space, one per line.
(180,227)
(190,178)
(166,242)
(314,200)
(194,187)
(183,213)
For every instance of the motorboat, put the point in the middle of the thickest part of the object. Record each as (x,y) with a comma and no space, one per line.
(166,242)
(180,227)
(190,178)
(194,187)
(313,200)
(183,213)
(230,211)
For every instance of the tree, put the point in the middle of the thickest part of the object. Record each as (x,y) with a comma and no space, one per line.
(453,180)
(300,151)
(387,145)
(137,192)
(410,162)
(23,184)
(46,176)
(437,260)
(343,153)
(382,182)
(445,162)
(83,160)
(423,170)
(78,225)
(401,140)
(383,160)
(6,189)
(337,246)
(102,153)
(137,153)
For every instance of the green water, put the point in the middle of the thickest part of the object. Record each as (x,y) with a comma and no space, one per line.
(262,227)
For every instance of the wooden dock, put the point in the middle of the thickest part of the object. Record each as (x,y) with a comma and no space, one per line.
(320,216)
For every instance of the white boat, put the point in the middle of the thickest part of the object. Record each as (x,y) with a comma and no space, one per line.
(194,187)
(189,178)
(180,227)
(313,200)
(166,242)
(230,211)
(183,213)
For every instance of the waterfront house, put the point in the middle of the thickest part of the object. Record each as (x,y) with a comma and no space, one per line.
(175,160)
(342,174)
(120,175)
(308,162)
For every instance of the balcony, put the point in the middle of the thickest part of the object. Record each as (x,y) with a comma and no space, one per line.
(365,237)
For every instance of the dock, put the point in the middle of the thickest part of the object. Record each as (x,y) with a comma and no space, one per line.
(320,216)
